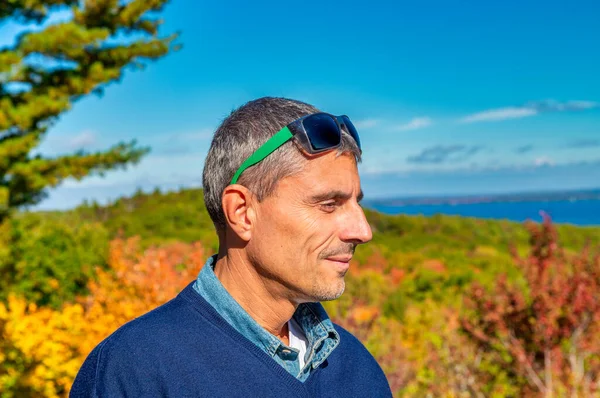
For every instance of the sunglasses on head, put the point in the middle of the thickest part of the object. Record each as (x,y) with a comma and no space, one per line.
(316,133)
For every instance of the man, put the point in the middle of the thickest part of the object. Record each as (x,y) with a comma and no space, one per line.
(282,188)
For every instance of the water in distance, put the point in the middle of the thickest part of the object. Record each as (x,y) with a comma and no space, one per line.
(577,212)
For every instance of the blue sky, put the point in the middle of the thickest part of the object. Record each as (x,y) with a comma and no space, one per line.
(451,98)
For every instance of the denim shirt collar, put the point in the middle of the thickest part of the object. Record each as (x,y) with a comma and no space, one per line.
(316,325)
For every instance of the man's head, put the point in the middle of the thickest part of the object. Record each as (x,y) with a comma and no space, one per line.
(295,217)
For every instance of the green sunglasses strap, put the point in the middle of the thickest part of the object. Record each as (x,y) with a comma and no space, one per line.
(265,150)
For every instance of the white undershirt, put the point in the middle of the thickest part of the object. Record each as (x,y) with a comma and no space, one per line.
(297,340)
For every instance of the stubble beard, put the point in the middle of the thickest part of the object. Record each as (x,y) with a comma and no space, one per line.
(321,291)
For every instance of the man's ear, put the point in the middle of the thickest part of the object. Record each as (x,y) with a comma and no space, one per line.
(238,206)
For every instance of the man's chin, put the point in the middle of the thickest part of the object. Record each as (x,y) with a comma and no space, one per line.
(329,294)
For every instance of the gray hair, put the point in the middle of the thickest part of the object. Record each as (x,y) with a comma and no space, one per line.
(242,133)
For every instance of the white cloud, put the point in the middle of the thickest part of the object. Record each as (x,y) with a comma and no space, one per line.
(59,144)
(500,114)
(585,104)
(415,123)
(199,135)
(153,169)
(529,109)
(543,161)
(550,105)
(366,123)
(82,140)
(180,143)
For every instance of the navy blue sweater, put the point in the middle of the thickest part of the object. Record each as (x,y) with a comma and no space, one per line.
(185,349)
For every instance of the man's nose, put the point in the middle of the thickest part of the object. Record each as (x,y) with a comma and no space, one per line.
(357,229)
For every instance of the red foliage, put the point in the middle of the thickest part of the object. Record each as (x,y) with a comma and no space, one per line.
(550,328)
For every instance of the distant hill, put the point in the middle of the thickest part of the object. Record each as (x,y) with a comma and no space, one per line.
(403,292)
(545,196)
(181,216)
(468,247)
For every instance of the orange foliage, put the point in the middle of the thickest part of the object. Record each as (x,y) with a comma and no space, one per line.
(364,314)
(396,276)
(435,265)
(42,349)
(137,283)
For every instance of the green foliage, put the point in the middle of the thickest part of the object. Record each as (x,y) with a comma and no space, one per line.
(49,260)
(403,294)
(157,218)
(438,257)
(465,250)
(396,304)
(47,70)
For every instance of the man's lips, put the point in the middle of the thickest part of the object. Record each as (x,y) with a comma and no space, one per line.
(344,259)
(340,263)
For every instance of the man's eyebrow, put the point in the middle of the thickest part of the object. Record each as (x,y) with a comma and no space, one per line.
(337,195)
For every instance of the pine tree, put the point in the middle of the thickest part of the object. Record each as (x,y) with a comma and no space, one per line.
(47,70)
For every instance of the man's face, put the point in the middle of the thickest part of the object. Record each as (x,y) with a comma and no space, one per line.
(306,231)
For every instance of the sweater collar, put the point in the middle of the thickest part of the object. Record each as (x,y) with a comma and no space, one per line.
(316,325)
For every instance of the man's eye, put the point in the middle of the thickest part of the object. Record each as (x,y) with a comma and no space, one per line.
(329,207)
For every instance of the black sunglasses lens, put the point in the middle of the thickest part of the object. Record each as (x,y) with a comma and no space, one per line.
(351,129)
(322,130)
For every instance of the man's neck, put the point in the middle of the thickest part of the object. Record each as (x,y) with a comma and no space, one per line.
(257,296)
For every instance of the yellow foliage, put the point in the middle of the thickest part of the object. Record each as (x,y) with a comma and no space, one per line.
(41,349)
(46,339)
(485,251)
